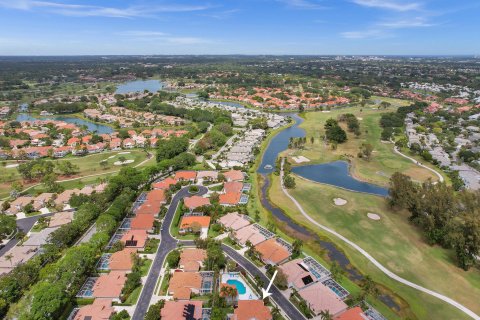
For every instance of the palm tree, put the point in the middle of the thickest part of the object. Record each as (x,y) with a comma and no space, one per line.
(9,257)
(326,315)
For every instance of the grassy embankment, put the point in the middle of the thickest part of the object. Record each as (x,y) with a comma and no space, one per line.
(88,165)
(310,246)
(383,163)
(393,241)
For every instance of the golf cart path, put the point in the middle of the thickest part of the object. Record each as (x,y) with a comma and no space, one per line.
(374,261)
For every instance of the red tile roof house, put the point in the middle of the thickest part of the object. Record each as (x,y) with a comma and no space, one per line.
(234,175)
(272,252)
(230,199)
(128,143)
(42,200)
(252,309)
(183,284)
(100,309)
(73,142)
(135,239)
(116,144)
(195,202)
(157,195)
(320,298)
(191,259)
(191,223)
(96,148)
(61,152)
(143,222)
(122,260)
(164,184)
(110,285)
(249,233)
(149,207)
(182,310)
(185,176)
(355,313)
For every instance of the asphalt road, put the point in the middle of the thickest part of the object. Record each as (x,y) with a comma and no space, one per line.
(25,225)
(167,244)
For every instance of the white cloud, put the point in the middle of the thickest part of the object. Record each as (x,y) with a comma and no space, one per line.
(389,5)
(417,22)
(79,10)
(153,36)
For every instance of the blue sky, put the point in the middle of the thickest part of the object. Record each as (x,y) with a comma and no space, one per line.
(79,27)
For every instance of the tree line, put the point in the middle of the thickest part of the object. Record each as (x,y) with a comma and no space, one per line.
(448,218)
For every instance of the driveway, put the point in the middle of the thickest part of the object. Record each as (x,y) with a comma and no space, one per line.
(24,224)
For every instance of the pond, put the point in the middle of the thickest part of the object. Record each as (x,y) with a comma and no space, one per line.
(139,86)
(280,143)
(91,126)
(337,174)
(229,103)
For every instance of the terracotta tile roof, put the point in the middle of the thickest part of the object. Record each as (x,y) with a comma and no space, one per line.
(100,309)
(164,184)
(234,175)
(196,201)
(252,310)
(272,252)
(352,314)
(185,175)
(142,222)
(140,236)
(122,260)
(233,186)
(109,285)
(149,207)
(182,310)
(230,198)
(187,222)
(234,220)
(191,259)
(157,195)
(321,298)
(183,284)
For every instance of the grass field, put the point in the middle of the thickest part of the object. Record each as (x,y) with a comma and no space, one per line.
(383,163)
(392,241)
(88,165)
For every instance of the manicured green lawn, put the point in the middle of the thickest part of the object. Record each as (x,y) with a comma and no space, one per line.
(88,165)
(393,241)
(383,163)
(133,297)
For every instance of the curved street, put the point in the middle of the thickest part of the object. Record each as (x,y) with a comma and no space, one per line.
(169,243)
(440,177)
(374,261)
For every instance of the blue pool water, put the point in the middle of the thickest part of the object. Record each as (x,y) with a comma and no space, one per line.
(239,285)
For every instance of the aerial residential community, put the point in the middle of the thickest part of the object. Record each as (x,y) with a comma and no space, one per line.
(239,160)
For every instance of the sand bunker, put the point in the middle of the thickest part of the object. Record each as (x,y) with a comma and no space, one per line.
(359,118)
(126,152)
(300,159)
(110,157)
(373,216)
(14,165)
(339,201)
(119,163)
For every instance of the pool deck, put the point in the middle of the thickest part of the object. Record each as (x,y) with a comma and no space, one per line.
(249,294)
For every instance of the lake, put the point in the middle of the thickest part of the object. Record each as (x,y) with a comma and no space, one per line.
(91,126)
(139,86)
(229,103)
(280,143)
(337,174)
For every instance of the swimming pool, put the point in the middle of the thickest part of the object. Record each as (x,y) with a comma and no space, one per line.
(241,289)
